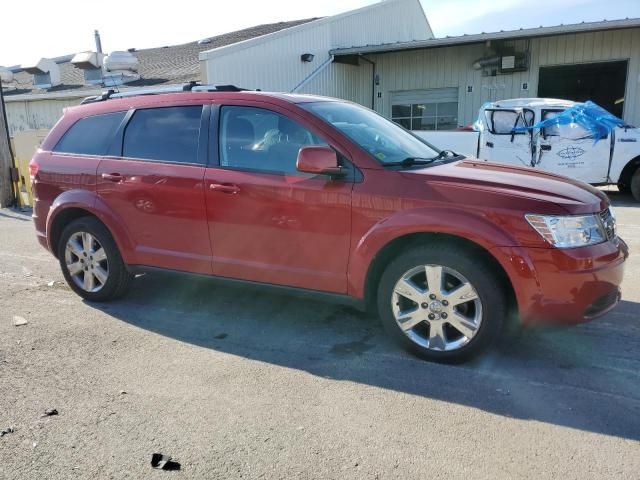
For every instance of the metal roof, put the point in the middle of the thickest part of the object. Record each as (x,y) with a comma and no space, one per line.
(158,66)
(483,37)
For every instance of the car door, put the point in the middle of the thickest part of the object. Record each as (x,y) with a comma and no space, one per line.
(499,143)
(267,222)
(154,182)
(571,151)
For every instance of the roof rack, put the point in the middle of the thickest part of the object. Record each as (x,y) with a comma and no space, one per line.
(186,87)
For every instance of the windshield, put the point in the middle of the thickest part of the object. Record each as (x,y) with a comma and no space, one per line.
(386,141)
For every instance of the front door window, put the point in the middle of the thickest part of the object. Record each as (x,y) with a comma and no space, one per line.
(261,140)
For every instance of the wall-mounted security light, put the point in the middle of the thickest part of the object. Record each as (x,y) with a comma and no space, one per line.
(307,57)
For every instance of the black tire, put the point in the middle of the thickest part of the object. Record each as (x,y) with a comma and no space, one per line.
(118,279)
(479,273)
(635,184)
(624,188)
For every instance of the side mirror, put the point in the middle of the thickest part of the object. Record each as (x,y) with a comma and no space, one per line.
(319,160)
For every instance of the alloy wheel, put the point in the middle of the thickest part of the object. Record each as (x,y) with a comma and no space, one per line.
(436,307)
(86,261)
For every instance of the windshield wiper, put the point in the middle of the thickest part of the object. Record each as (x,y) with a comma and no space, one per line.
(445,154)
(410,161)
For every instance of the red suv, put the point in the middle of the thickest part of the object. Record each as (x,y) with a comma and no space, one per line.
(321,196)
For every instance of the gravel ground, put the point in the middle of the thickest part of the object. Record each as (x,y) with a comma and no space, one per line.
(238,383)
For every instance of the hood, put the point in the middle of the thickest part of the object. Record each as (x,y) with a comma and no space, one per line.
(573,196)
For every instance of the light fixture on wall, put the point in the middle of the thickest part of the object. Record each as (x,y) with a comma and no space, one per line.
(307,57)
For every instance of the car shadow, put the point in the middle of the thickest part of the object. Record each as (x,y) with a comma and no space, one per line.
(584,377)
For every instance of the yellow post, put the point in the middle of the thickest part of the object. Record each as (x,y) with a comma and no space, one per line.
(25,145)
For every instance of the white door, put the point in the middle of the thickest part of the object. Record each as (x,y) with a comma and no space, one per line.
(570,150)
(499,143)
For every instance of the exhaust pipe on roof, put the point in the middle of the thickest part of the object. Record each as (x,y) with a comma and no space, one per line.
(96,34)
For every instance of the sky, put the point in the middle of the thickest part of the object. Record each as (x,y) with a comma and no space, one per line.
(53,28)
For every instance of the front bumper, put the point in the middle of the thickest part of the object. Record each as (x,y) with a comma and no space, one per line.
(565,286)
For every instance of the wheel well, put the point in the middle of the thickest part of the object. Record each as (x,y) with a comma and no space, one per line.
(627,171)
(400,244)
(63,219)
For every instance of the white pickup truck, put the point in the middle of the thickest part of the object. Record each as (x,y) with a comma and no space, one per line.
(572,151)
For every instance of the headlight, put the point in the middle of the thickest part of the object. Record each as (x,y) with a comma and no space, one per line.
(568,231)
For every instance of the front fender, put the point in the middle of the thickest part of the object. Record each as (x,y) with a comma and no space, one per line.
(468,225)
(92,203)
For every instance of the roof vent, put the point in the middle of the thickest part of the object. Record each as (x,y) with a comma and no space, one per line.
(46,73)
(119,68)
(6,75)
(91,65)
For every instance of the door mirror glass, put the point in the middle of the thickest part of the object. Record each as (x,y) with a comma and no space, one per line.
(318,160)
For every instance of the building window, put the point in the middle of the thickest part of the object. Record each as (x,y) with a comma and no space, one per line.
(426,116)
(435,109)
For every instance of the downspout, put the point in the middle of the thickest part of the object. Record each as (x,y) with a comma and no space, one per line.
(373,80)
(313,74)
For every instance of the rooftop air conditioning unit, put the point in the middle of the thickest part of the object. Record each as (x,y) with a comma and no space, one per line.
(6,75)
(46,73)
(119,68)
(91,65)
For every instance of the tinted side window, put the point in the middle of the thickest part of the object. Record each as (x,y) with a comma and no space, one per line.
(165,134)
(90,135)
(257,139)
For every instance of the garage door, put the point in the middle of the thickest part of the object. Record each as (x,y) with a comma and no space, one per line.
(603,83)
(433,109)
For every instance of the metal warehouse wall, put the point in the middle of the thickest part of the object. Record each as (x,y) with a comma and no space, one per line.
(32,115)
(452,67)
(272,62)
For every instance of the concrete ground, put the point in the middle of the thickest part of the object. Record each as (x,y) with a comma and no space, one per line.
(239,383)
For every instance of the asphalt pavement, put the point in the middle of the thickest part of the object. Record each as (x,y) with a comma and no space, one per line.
(239,383)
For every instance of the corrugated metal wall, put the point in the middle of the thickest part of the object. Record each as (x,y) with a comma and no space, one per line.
(273,62)
(452,67)
(32,115)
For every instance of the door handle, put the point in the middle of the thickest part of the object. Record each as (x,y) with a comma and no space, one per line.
(489,144)
(545,147)
(225,188)
(113,177)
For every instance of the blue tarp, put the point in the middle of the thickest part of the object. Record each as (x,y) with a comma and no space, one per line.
(595,122)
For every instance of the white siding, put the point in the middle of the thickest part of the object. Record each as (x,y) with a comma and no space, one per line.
(272,62)
(452,67)
(32,115)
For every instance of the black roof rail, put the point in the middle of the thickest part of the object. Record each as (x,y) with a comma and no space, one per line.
(187,87)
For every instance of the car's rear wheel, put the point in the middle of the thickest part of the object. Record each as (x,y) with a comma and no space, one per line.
(442,304)
(91,262)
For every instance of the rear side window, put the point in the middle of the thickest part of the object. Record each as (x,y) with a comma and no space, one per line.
(168,134)
(90,135)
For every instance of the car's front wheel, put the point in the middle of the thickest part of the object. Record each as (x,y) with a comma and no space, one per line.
(90,261)
(442,303)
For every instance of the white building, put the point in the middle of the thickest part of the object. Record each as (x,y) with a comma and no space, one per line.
(280,61)
(430,83)
(383,56)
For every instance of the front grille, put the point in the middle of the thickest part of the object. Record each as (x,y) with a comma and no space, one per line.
(609,223)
